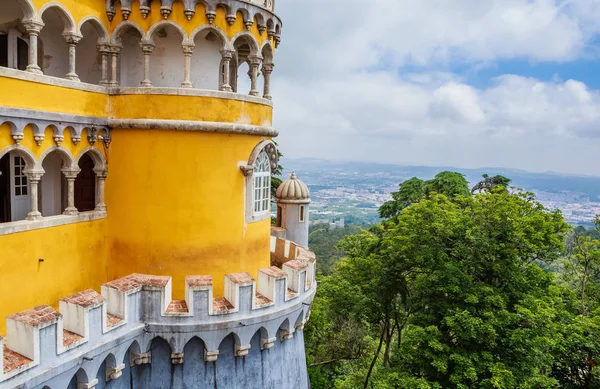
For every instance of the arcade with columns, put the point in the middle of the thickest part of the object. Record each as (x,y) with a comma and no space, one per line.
(136,146)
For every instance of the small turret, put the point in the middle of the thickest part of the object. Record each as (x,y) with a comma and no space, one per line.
(293,200)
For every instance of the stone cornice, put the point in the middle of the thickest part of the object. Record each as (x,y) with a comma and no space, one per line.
(188,125)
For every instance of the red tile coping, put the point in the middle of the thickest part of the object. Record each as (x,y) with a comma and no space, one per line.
(70,337)
(274,271)
(39,315)
(112,320)
(221,305)
(240,278)
(13,361)
(296,264)
(199,281)
(262,300)
(138,281)
(291,294)
(85,299)
(177,306)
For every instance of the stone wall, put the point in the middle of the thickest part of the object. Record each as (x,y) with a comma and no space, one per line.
(134,335)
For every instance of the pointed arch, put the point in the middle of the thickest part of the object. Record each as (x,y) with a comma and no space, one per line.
(97,157)
(28,9)
(66,156)
(31,163)
(122,28)
(212,28)
(68,22)
(266,51)
(245,37)
(104,37)
(149,36)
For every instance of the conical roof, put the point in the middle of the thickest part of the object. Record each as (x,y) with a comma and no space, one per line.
(293,190)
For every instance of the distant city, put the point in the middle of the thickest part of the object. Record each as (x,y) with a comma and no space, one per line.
(352,192)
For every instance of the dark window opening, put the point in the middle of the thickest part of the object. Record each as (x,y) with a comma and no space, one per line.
(279,216)
(5,189)
(4,50)
(302,214)
(85,185)
(22,54)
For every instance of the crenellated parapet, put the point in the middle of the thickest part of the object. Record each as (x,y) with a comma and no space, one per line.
(42,342)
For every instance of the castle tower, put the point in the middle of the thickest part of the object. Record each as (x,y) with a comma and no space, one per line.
(293,200)
(135,168)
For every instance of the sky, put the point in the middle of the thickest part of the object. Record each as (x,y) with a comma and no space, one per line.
(463,83)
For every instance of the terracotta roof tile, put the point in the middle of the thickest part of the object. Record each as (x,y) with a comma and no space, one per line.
(221,305)
(262,300)
(296,264)
(137,281)
(177,306)
(70,337)
(274,271)
(36,316)
(13,360)
(87,298)
(240,278)
(112,320)
(199,281)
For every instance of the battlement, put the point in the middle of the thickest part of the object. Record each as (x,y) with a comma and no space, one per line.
(41,338)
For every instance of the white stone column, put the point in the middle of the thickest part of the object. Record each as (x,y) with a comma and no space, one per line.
(114,54)
(34,180)
(267,69)
(148,49)
(253,73)
(101,178)
(72,41)
(71,175)
(33,29)
(227,56)
(188,51)
(104,50)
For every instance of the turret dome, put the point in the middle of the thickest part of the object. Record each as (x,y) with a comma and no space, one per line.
(293,190)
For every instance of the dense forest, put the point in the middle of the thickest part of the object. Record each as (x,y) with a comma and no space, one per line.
(457,287)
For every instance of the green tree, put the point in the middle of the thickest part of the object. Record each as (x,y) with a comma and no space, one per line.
(411,191)
(450,294)
(491,182)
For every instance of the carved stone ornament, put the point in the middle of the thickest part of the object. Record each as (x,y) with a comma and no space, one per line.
(210,15)
(18,138)
(92,135)
(165,11)
(39,139)
(125,12)
(145,11)
(189,13)
(58,139)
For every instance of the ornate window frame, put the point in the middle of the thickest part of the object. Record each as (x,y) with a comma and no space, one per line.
(247,168)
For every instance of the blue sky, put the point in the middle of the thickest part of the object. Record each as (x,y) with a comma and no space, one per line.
(465,83)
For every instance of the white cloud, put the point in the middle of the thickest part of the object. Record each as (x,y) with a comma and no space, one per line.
(339,91)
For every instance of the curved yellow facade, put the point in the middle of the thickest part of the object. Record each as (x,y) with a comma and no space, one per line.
(176,197)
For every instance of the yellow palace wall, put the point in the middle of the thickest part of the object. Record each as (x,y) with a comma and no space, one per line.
(176,200)
(176,207)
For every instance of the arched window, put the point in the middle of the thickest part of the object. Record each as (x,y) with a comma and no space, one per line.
(85,185)
(262,184)
(53,186)
(14,189)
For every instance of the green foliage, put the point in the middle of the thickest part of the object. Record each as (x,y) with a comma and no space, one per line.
(412,191)
(489,183)
(459,290)
(323,241)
